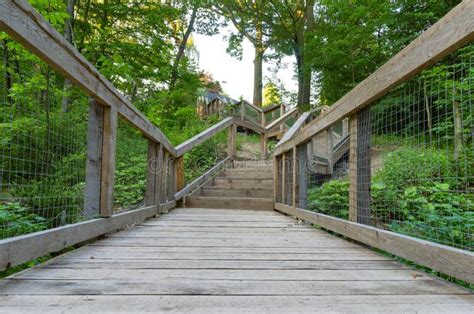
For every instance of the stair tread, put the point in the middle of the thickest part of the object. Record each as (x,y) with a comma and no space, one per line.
(223,187)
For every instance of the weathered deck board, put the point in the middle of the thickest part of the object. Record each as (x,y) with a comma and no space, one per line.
(196,260)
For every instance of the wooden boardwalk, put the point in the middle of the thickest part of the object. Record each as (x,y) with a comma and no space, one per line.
(210,260)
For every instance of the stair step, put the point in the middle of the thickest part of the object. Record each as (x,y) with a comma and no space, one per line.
(229,202)
(243,182)
(221,191)
(254,164)
(254,174)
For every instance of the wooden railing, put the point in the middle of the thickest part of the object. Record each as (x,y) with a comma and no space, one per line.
(452,32)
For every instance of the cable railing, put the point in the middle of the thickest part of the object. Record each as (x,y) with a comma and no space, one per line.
(391,163)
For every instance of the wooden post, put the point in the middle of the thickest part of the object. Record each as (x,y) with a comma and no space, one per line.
(295,182)
(345,127)
(263,119)
(303,176)
(179,171)
(165,176)
(263,145)
(330,144)
(95,125)
(107,176)
(231,140)
(151,173)
(160,177)
(242,110)
(171,179)
(276,179)
(283,178)
(359,167)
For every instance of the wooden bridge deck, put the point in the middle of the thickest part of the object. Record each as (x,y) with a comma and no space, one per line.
(205,260)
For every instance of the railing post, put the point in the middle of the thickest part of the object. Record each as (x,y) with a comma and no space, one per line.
(231,140)
(303,176)
(283,178)
(171,179)
(154,183)
(263,145)
(359,167)
(264,119)
(242,110)
(330,145)
(109,141)
(294,179)
(179,171)
(164,178)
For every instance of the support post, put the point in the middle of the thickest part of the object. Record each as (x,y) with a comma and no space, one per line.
(95,125)
(164,177)
(231,140)
(330,144)
(263,145)
(151,173)
(107,176)
(179,171)
(263,119)
(359,167)
(294,181)
(283,178)
(171,179)
(242,110)
(303,176)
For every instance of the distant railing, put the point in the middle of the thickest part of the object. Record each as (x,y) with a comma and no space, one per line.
(402,181)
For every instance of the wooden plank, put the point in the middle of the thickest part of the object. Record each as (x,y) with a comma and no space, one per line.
(283,178)
(263,146)
(216,274)
(179,286)
(159,177)
(164,208)
(241,304)
(451,261)
(19,20)
(151,173)
(276,179)
(95,125)
(107,172)
(219,167)
(164,177)
(294,128)
(450,33)
(188,145)
(21,249)
(126,264)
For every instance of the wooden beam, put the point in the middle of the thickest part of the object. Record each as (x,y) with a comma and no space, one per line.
(151,173)
(283,178)
(159,177)
(171,179)
(294,180)
(164,177)
(208,175)
(95,125)
(21,21)
(450,33)
(250,125)
(451,261)
(188,145)
(276,179)
(232,141)
(18,250)
(294,128)
(303,176)
(263,145)
(179,171)
(107,172)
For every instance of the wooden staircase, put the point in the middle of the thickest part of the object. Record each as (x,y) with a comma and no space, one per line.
(243,185)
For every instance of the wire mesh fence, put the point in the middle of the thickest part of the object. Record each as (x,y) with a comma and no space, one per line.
(43,121)
(413,159)
(130,168)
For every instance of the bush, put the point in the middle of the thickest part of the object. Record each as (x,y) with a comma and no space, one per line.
(331,198)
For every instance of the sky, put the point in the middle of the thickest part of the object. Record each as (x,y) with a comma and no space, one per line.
(236,76)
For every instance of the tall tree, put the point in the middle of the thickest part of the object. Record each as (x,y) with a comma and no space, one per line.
(247,17)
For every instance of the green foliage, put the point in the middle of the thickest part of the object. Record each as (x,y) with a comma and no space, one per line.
(331,198)
(16,220)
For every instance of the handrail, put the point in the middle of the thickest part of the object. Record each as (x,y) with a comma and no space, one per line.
(281,119)
(451,32)
(202,179)
(186,146)
(294,128)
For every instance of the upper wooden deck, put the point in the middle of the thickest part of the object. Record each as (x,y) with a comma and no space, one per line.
(213,260)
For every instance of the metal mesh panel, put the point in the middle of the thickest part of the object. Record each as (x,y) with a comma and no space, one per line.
(130,168)
(421,155)
(43,122)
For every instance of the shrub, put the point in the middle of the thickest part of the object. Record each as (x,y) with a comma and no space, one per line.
(16,220)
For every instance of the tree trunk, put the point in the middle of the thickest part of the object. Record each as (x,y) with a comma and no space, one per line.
(182,47)
(258,66)
(68,35)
